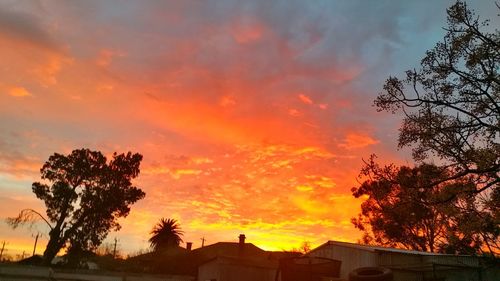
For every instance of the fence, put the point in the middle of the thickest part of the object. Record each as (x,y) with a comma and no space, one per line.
(9,272)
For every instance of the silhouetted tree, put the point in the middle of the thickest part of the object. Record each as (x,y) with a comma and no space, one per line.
(400,210)
(165,234)
(452,102)
(304,248)
(86,196)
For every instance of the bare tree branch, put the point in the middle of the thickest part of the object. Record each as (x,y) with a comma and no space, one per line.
(26,216)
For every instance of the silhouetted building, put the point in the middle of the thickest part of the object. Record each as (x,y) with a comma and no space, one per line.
(230,257)
(406,264)
(308,269)
(237,268)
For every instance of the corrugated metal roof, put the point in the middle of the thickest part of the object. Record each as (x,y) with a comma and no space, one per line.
(371,248)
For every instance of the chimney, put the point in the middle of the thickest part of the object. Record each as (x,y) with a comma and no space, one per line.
(242,239)
(189,245)
(241,247)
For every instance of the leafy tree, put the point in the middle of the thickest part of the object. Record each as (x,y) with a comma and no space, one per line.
(400,210)
(475,221)
(85,195)
(395,211)
(165,234)
(451,103)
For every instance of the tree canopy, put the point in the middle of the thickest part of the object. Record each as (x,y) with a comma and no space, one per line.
(451,103)
(165,234)
(84,195)
(400,210)
(451,116)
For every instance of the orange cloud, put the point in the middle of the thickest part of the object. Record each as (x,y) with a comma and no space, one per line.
(227,101)
(47,73)
(294,112)
(20,168)
(105,56)
(226,147)
(356,140)
(255,189)
(19,92)
(33,61)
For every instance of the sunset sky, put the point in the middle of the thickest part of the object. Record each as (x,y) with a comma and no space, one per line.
(252,116)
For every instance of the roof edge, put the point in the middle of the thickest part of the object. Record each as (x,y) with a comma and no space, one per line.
(375,248)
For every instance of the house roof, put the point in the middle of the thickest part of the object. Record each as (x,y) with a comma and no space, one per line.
(252,262)
(372,248)
(229,249)
(281,255)
(169,252)
(182,261)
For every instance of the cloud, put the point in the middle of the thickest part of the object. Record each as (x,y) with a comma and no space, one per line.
(247,113)
(357,140)
(17,165)
(27,28)
(227,100)
(255,189)
(106,56)
(246,31)
(294,112)
(305,99)
(19,92)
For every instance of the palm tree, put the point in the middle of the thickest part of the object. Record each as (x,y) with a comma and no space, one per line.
(165,234)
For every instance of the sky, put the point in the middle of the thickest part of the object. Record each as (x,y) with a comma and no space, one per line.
(252,116)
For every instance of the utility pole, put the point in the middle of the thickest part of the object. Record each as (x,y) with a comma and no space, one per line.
(203,241)
(36,240)
(1,251)
(114,248)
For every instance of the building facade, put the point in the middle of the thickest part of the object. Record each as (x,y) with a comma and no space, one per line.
(409,265)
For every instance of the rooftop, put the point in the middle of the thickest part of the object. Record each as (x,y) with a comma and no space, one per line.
(372,248)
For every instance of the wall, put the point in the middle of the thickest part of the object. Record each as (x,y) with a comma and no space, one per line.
(12,272)
(209,271)
(221,270)
(351,258)
(411,267)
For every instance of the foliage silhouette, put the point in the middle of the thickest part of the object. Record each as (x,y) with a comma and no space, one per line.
(400,210)
(165,234)
(451,103)
(86,196)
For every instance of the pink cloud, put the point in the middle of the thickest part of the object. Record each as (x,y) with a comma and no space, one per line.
(305,99)
(245,33)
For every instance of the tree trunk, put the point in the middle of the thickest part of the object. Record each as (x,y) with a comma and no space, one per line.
(53,247)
